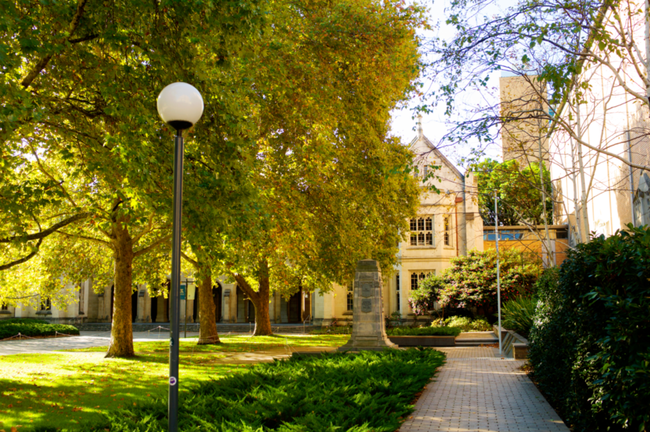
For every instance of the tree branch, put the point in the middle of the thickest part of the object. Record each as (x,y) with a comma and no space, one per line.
(93,239)
(42,234)
(241,282)
(31,255)
(190,260)
(152,246)
(31,76)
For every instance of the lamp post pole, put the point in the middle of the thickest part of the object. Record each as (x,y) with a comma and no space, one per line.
(496,239)
(174,315)
(180,105)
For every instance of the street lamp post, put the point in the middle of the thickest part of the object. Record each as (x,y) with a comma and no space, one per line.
(180,105)
(496,239)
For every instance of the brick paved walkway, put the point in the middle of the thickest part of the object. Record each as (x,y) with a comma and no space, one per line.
(477,391)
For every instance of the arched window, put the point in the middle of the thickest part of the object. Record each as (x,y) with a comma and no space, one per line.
(398,304)
(414,281)
(428,224)
(350,298)
(447,227)
(82,299)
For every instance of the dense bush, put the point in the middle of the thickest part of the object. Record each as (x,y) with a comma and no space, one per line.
(368,391)
(423,331)
(471,281)
(518,314)
(33,327)
(591,335)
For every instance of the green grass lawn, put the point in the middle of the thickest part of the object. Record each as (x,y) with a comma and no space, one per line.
(62,390)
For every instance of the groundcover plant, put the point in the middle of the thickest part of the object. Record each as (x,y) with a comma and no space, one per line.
(368,391)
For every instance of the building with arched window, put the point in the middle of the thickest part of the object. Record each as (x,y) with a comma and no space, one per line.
(447,225)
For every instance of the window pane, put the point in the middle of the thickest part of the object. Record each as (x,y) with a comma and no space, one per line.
(414,281)
(420,224)
(421,239)
(414,240)
(413,225)
(429,225)
(429,239)
(422,276)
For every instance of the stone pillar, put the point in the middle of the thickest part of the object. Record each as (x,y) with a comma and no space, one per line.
(368,325)
(323,308)
(161,315)
(144,305)
(226,305)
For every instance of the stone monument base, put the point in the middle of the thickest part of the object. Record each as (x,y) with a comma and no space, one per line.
(368,331)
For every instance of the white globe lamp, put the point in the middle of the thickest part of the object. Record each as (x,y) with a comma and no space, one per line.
(180,105)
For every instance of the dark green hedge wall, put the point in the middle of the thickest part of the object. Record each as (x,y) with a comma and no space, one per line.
(590,343)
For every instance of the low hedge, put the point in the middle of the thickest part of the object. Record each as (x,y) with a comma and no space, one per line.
(368,391)
(590,341)
(463,323)
(33,328)
(423,331)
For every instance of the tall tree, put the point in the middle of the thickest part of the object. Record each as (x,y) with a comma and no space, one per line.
(332,186)
(519,193)
(78,86)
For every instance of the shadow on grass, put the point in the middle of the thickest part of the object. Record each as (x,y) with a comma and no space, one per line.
(62,390)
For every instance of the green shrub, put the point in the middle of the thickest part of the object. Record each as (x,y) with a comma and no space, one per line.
(368,391)
(518,314)
(423,298)
(33,327)
(463,323)
(591,334)
(423,331)
(471,281)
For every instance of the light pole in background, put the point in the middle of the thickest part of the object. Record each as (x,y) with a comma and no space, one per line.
(180,105)
(496,239)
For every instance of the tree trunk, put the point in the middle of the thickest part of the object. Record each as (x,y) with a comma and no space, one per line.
(121,330)
(208,329)
(260,299)
(262,316)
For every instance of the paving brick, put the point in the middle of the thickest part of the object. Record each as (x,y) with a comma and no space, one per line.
(477,390)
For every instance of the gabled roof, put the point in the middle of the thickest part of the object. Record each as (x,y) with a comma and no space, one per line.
(436,152)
